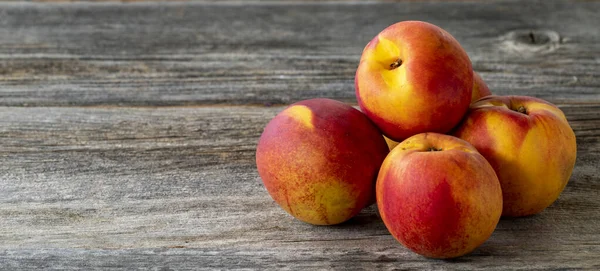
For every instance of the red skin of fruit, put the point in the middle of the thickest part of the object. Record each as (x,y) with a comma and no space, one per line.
(480,88)
(319,160)
(438,196)
(533,152)
(430,91)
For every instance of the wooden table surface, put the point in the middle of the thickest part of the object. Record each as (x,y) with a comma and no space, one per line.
(128,130)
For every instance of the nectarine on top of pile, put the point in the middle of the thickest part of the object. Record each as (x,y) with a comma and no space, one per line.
(414,77)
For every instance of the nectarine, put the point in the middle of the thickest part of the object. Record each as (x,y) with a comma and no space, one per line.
(438,196)
(529,143)
(319,160)
(414,77)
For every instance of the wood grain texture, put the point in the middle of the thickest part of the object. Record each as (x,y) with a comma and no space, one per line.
(153,188)
(275,53)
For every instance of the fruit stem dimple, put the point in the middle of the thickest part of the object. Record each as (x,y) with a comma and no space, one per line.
(396,64)
(434,149)
(522,109)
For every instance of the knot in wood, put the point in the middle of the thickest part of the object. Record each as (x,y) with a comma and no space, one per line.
(531,41)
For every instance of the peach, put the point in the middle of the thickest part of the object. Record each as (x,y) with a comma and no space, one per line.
(319,160)
(530,145)
(480,88)
(438,196)
(414,77)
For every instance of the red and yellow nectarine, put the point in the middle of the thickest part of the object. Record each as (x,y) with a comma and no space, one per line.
(319,160)
(529,143)
(414,77)
(438,196)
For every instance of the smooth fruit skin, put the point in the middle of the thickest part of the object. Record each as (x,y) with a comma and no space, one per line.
(533,151)
(429,91)
(438,196)
(391,143)
(480,88)
(319,160)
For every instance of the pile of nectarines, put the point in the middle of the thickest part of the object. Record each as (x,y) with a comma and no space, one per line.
(460,157)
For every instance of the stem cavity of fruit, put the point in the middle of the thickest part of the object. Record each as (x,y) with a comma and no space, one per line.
(522,110)
(434,149)
(396,64)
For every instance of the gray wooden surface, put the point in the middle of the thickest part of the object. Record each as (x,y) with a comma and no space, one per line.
(128,131)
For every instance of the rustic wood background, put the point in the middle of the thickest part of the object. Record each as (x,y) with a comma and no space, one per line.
(128,130)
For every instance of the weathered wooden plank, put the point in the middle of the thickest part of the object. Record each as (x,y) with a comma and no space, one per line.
(127,188)
(273,53)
